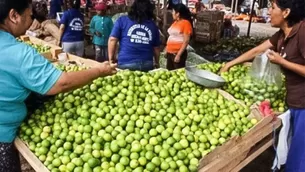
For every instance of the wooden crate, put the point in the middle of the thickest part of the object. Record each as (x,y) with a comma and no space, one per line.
(29,156)
(239,151)
(205,27)
(210,16)
(55,50)
(203,37)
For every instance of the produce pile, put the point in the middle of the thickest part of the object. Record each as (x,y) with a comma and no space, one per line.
(244,87)
(39,48)
(234,46)
(133,121)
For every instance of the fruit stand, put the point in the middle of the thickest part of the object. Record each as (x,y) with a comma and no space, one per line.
(157,121)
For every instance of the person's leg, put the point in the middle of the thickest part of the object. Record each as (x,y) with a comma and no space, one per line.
(182,61)
(79,48)
(105,53)
(170,61)
(68,47)
(98,53)
(296,155)
(9,158)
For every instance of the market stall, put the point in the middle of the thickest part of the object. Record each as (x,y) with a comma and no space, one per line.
(232,135)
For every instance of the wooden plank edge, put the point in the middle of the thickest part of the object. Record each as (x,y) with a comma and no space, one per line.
(224,158)
(29,156)
(258,149)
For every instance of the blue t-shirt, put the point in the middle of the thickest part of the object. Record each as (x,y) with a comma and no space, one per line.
(103,25)
(73,20)
(22,70)
(137,41)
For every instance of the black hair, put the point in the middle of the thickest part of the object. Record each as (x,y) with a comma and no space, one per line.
(75,4)
(141,10)
(7,5)
(184,12)
(40,10)
(297,10)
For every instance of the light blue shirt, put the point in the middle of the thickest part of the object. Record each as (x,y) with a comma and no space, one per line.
(103,25)
(22,70)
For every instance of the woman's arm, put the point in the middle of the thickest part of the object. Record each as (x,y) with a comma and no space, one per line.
(250,55)
(61,32)
(112,43)
(71,80)
(276,58)
(156,57)
(186,41)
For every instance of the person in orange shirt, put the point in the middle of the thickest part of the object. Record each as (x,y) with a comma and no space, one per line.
(179,37)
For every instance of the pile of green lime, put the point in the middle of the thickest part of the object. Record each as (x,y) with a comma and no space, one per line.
(133,121)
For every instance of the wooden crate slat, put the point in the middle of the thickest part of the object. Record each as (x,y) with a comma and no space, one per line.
(30,157)
(244,145)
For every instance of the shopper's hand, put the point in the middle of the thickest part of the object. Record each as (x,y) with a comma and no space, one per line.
(275,57)
(225,68)
(113,60)
(177,59)
(107,68)
(98,34)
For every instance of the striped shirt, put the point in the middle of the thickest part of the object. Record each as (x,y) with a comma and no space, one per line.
(176,35)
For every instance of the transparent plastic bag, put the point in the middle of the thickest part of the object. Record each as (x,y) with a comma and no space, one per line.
(263,69)
(263,82)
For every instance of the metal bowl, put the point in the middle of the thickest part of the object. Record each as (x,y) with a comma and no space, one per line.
(204,78)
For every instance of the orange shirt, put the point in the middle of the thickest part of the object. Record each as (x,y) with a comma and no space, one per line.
(176,35)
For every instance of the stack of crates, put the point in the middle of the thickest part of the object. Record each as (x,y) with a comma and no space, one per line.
(209,26)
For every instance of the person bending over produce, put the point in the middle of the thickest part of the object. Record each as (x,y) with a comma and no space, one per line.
(22,71)
(72,29)
(179,37)
(100,27)
(288,45)
(139,38)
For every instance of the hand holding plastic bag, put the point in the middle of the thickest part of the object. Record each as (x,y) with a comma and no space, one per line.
(263,82)
(264,70)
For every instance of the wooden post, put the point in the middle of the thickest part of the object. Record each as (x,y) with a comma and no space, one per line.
(251,16)
(232,6)
(158,8)
(236,6)
(164,16)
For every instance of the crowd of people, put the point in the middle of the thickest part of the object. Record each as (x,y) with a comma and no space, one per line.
(136,35)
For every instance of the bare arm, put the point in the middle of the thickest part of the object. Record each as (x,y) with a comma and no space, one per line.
(156,57)
(297,68)
(183,47)
(61,32)
(112,43)
(71,80)
(249,55)
(294,67)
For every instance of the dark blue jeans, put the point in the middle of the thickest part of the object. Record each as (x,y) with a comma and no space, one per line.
(143,66)
(296,155)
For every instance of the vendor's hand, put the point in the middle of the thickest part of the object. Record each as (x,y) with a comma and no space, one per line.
(275,57)
(177,59)
(106,68)
(98,34)
(225,68)
(113,60)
